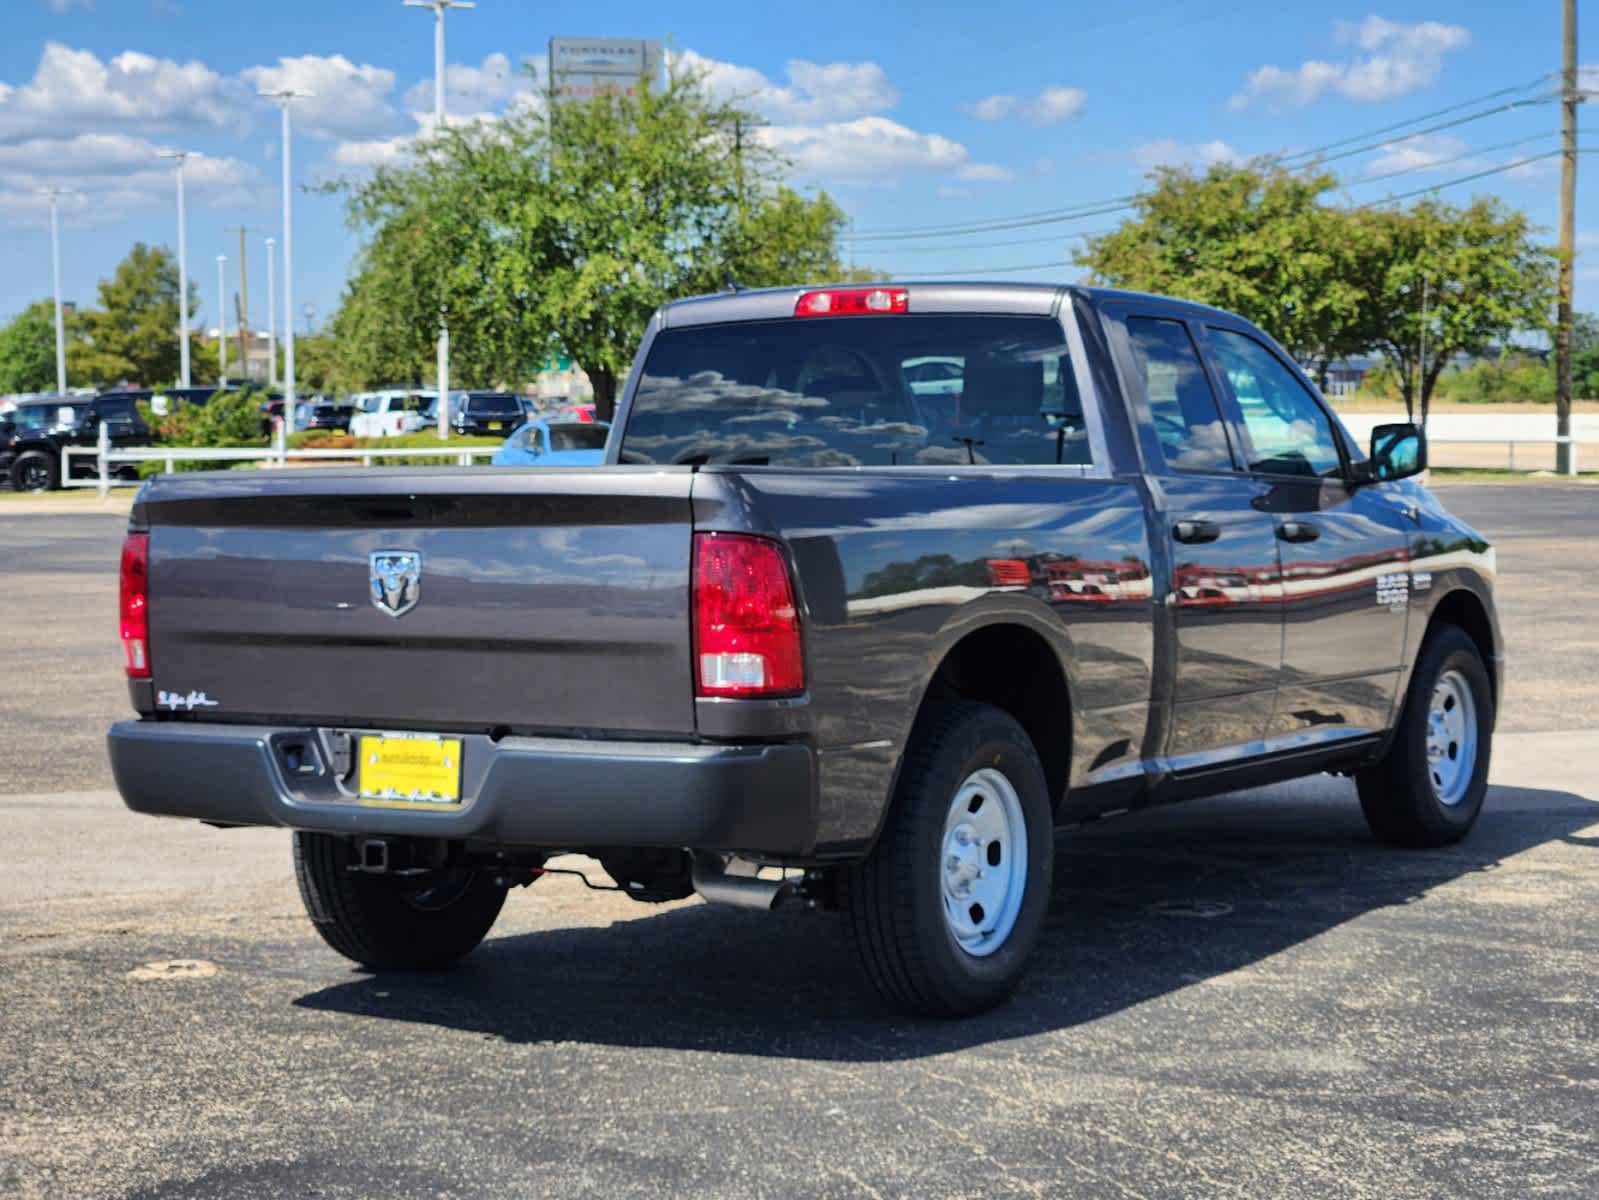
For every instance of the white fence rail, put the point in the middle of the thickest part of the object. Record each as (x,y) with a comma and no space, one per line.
(278,456)
(106,459)
(1510,445)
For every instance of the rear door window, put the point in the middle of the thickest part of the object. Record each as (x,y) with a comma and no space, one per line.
(901,390)
(1188,422)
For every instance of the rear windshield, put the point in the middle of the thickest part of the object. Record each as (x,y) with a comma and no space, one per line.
(859,391)
(578,437)
(494,406)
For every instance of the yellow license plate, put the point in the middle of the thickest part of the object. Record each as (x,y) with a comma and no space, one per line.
(496,425)
(401,770)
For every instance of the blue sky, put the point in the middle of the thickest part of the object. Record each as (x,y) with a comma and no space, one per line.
(912,115)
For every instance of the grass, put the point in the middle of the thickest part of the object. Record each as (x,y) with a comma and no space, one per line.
(79,495)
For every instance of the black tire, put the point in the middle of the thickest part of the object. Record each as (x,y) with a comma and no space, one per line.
(388,922)
(895,899)
(1399,795)
(35,471)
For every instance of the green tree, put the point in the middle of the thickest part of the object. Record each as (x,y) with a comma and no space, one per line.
(28,350)
(1441,280)
(133,335)
(1256,240)
(563,230)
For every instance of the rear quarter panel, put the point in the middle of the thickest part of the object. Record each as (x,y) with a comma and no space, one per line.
(893,571)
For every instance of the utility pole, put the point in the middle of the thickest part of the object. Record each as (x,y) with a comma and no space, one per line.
(1421,383)
(272,312)
(1565,461)
(53,195)
(440,7)
(244,305)
(222,320)
(180,156)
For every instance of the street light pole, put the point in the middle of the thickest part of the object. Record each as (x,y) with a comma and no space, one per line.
(440,7)
(183,271)
(272,312)
(222,319)
(53,195)
(285,98)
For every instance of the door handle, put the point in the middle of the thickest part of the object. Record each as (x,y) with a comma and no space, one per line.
(1298,531)
(1196,533)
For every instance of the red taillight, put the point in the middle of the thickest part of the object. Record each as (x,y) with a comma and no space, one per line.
(135,604)
(851,302)
(746,627)
(1009,572)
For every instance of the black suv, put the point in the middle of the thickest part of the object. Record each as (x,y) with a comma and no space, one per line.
(486,413)
(33,436)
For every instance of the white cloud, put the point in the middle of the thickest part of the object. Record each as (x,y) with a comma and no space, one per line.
(346,101)
(985,173)
(115,174)
(1588,81)
(816,93)
(1417,154)
(1389,60)
(1050,107)
(1170,153)
(469,90)
(62,6)
(868,150)
(73,91)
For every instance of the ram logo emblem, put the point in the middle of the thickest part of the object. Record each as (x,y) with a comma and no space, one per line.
(396,581)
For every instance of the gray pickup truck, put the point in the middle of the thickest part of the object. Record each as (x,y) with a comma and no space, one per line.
(878,588)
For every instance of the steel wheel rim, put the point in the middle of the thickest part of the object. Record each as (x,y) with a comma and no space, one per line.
(1451,738)
(983,862)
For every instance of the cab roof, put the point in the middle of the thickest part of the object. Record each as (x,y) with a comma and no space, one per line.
(1043,299)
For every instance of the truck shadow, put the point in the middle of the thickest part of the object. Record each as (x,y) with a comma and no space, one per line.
(1142,907)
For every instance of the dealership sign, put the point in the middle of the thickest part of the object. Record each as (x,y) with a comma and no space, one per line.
(581,68)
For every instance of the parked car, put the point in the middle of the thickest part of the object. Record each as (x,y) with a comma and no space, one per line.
(544,443)
(325,414)
(484,414)
(35,434)
(814,651)
(391,412)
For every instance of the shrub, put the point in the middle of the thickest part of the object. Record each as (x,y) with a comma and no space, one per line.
(230,420)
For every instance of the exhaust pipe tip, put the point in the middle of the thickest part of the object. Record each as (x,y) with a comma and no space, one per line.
(716,886)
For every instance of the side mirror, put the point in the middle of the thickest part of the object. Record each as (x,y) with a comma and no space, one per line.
(1397,452)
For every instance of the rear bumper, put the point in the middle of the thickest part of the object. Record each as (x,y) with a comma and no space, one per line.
(549,793)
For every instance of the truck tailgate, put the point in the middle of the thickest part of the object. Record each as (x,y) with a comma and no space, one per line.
(546,600)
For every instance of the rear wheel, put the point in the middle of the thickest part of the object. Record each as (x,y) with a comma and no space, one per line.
(946,909)
(1429,788)
(35,471)
(393,922)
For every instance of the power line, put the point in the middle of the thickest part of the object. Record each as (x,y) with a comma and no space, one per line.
(1437,112)
(1475,175)
(1444,162)
(1058,264)
(1318,153)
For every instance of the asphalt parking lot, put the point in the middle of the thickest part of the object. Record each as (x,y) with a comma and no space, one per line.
(1243,996)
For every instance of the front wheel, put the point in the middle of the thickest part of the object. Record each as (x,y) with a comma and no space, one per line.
(946,909)
(1429,788)
(35,471)
(393,922)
